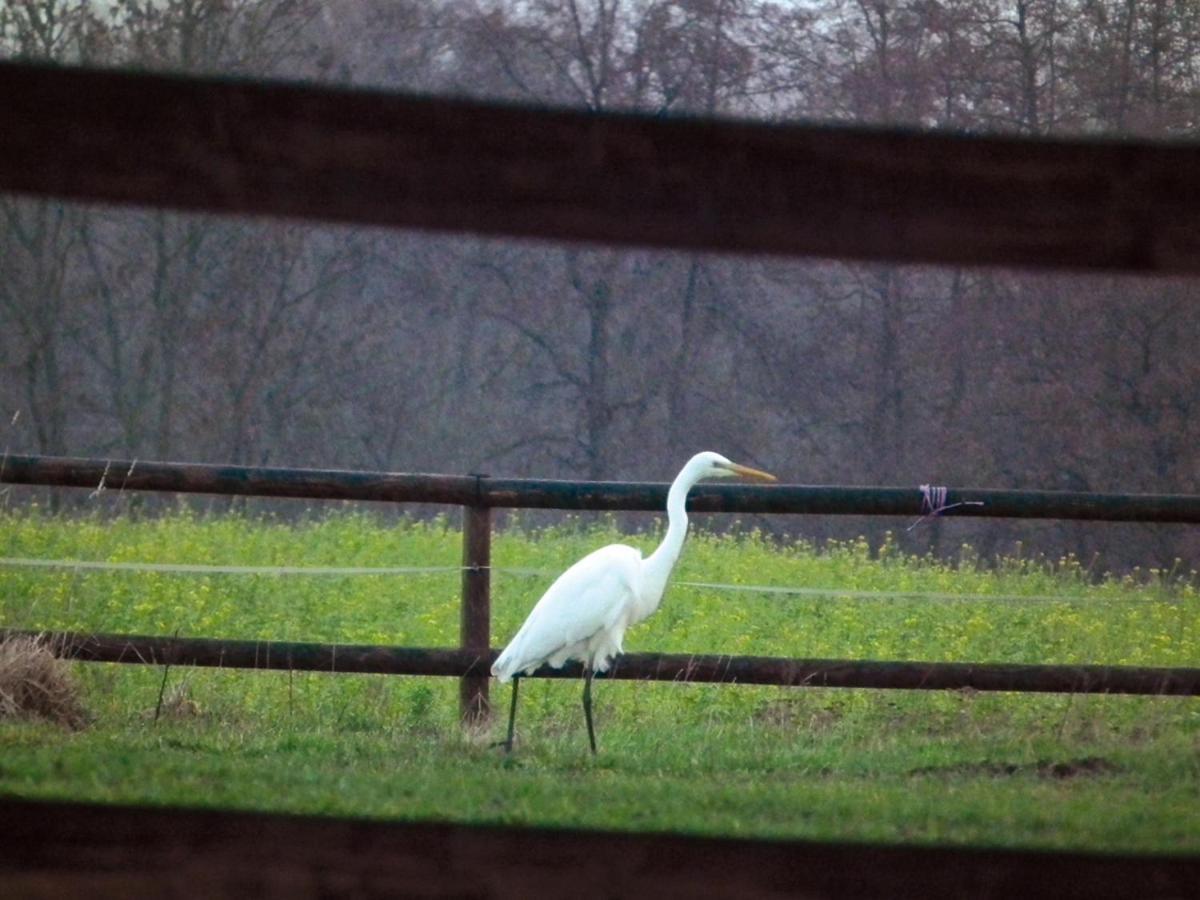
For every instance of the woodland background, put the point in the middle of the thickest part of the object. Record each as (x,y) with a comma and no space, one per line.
(155,335)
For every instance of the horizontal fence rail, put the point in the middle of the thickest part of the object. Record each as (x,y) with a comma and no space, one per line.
(370,157)
(676,667)
(80,850)
(526,493)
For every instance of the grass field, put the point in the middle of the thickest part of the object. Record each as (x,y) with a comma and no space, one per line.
(1092,772)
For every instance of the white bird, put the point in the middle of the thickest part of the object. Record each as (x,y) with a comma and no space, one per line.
(585,612)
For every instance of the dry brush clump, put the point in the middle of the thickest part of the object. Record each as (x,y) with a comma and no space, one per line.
(35,682)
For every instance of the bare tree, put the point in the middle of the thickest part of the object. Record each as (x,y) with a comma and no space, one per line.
(39,292)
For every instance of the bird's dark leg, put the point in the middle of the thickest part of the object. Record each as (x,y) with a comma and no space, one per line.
(512,716)
(587,705)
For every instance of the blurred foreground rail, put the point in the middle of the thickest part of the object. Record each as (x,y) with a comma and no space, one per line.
(338,154)
(78,850)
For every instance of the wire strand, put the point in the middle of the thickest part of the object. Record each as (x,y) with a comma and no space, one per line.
(209,569)
(524,572)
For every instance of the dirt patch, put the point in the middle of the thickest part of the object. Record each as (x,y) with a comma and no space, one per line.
(1088,765)
(1074,768)
(36,683)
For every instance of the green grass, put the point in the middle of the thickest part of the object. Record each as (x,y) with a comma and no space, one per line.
(1091,772)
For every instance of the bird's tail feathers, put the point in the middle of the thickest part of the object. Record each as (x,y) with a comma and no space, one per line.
(502,668)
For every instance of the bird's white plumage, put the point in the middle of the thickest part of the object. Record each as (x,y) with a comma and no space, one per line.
(583,615)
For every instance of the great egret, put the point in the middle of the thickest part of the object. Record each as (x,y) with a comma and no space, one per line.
(584,613)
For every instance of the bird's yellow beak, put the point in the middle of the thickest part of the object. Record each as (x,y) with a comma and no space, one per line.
(755,474)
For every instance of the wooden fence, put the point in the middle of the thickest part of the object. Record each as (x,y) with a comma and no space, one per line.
(370,157)
(479,494)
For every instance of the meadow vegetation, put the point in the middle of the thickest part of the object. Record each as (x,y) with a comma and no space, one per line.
(1056,771)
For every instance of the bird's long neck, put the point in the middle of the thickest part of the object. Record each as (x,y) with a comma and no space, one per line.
(658,565)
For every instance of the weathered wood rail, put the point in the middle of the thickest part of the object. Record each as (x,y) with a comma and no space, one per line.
(79,850)
(470,663)
(369,157)
(483,491)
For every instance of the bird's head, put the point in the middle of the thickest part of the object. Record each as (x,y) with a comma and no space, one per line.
(714,465)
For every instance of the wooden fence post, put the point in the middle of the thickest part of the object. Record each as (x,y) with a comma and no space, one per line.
(475,630)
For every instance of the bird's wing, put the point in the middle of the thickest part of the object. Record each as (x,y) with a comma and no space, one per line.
(589,597)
